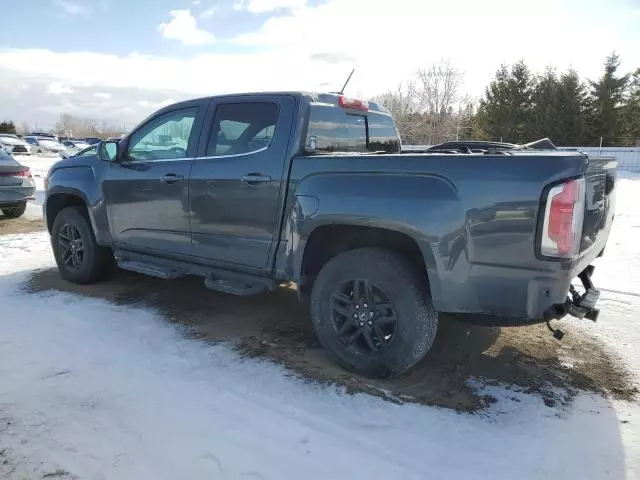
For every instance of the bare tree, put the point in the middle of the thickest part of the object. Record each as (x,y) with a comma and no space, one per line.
(24,129)
(430,108)
(402,105)
(70,125)
(437,91)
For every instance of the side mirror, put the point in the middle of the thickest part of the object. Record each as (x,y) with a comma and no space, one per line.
(108,151)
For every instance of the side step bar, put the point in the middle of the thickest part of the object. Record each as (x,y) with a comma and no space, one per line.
(225,281)
(151,269)
(234,284)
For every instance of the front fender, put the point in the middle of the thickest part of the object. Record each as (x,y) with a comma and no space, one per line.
(424,207)
(81,182)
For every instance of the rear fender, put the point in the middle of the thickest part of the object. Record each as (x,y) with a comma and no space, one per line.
(425,208)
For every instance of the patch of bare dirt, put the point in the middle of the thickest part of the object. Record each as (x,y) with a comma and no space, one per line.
(9,226)
(276,326)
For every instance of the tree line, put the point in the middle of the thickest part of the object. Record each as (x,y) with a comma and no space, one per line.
(69,125)
(518,106)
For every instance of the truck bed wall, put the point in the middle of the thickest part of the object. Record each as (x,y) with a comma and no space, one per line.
(472,216)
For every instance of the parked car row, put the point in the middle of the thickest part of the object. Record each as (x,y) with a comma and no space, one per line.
(36,144)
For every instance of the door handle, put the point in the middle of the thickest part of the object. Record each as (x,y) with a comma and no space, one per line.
(255,178)
(171,178)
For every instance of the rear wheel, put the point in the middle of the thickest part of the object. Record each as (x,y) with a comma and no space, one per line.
(79,258)
(15,211)
(372,312)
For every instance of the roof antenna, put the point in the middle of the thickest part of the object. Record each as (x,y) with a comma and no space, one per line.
(346,83)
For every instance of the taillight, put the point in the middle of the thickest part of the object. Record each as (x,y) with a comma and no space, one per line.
(564,214)
(354,103)
(22,174)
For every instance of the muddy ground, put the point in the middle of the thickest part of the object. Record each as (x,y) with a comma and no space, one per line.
(9,226)
(276,326)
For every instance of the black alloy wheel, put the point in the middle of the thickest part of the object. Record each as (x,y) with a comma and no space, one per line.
(72,246)
(363,316)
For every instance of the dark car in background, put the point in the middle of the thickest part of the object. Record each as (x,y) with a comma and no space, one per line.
(16,186)
(92,140)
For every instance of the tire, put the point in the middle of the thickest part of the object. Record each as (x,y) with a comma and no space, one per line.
(94,262)
(15,212)
(394,287)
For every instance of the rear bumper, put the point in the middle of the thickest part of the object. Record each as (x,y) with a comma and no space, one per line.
(579,305)
(502,296)
(16,194)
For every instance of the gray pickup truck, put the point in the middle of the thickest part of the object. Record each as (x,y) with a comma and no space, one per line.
(253,191)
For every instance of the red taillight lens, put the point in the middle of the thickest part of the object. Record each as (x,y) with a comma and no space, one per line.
(356,104)
(564,214)
(22,174)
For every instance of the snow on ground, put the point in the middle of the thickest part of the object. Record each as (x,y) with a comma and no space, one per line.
(90,390)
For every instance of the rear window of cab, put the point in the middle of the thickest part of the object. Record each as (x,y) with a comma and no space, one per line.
(334,129)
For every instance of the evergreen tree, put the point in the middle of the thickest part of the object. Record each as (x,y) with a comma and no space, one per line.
(607,95)
(7,127)
(631,112)
(546,107)
(504,112)
(572,114)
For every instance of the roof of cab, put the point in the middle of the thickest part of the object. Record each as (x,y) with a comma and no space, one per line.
(314,97)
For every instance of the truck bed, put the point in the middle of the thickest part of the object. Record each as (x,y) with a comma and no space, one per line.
(475,218)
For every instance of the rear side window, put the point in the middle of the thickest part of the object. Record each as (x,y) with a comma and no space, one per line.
(242,128)
(332,129)
(383,134)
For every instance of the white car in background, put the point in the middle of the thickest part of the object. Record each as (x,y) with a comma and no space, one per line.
(74,146)
(13,145)
(44,145)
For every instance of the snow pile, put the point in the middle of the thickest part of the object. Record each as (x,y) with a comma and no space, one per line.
(92,390)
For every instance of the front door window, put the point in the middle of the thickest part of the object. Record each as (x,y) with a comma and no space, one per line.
(164,138)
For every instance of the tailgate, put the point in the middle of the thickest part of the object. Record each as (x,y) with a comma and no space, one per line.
(600,179)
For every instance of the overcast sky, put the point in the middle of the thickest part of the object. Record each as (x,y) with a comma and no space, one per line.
(121,59)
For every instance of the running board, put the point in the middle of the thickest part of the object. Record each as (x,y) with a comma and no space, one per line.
(150,269)
(220,280)
(235,283)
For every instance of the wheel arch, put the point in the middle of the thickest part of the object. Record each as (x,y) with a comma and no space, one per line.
(329,240)
(59,199)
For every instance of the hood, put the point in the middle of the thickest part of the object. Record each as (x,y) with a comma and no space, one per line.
(54,147)
(11,141)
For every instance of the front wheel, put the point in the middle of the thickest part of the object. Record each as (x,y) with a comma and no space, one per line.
(78,256)
(372,312)
(15,211)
